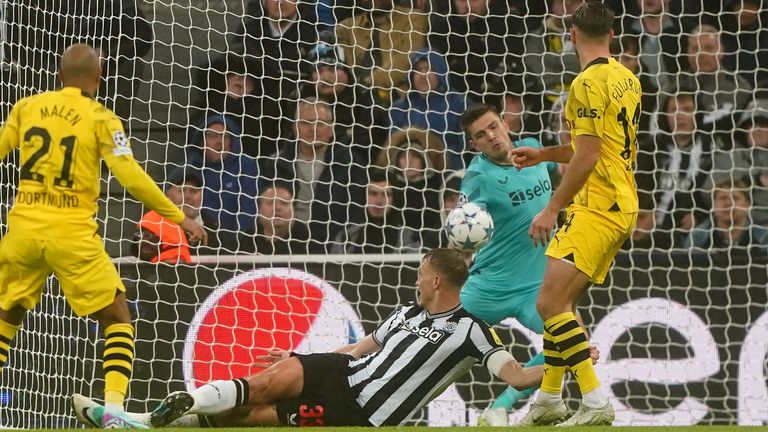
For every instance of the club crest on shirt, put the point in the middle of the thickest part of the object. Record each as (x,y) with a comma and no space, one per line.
(449,327)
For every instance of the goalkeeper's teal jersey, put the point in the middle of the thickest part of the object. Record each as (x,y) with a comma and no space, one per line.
(509,263)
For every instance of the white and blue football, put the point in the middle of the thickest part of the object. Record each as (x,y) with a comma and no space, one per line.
(468,227)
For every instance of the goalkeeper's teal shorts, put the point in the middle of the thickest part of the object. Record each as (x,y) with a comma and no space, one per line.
(494,305)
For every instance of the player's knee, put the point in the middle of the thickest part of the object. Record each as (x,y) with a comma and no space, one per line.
(547,307)
(541,307)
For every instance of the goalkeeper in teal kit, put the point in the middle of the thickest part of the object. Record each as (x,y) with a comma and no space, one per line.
(506,274)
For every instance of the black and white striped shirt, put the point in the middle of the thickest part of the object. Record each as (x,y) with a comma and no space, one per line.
(420,356)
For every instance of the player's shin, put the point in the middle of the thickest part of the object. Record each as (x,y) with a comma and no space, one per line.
(118,361)
(219,396)
(511,395)
(572,343)
(554,370)
(7,333)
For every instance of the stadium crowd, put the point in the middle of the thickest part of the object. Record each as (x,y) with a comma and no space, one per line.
(336,129)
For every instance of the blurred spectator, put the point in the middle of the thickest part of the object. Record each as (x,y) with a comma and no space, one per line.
(659,43)
(158,239)
(377,43)
(642,236)
(277,35)
(431,104)
(746,41)
(40,31)
(752,134)
(721,95)
(520,105)
(730,225)
(230,178)
(677,169)
(330,80)
(325,174)
(185,189)
(330,12)
(627,50)
(449,199)
(383,230)
(278,232)
(477,38)
(549,52)
(416,160)
(227,87)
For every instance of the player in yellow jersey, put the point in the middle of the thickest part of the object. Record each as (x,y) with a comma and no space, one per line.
(603,110)
(63,135)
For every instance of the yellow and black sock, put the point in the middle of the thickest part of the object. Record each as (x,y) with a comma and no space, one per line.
(571,342)
(118,361)
(554,366)
(7,333)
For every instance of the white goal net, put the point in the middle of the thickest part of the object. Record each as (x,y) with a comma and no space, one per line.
(334,127)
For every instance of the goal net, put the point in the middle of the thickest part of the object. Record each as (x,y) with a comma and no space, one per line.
(344,118)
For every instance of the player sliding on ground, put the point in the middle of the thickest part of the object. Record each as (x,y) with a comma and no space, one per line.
(415,354)
(63,135)
(603,110)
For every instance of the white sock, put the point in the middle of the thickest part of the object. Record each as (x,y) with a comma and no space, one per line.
(214,398)
(113,408)
(595,398)
(142,418)
(189,420)
(546,398)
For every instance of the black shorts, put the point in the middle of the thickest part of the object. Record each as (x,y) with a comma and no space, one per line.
(326,399)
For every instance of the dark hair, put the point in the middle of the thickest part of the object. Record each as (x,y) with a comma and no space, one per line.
(449,264)
(377,174)
(733,185)
(278,184)
(625,43)
(185,176)
(681,93)
(593,18)
(475,112)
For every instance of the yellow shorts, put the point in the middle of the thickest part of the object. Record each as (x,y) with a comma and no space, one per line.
(590,239)
(87,277)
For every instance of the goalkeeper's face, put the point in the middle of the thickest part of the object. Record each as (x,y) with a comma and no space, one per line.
(490,135)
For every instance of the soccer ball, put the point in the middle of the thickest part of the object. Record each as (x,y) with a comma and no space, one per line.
(468,227)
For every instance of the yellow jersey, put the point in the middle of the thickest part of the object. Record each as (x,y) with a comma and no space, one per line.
(63,135)
(604,101)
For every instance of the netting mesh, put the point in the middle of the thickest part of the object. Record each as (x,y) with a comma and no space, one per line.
(324,127)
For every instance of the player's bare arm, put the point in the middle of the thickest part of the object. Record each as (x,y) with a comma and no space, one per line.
(580,167)
(365,346)
(523,157)
(195,232)
(519,377)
